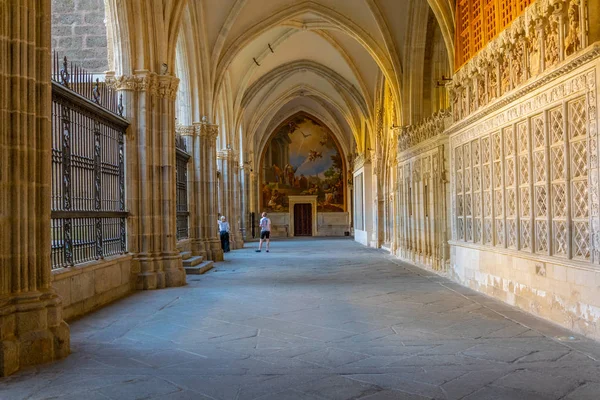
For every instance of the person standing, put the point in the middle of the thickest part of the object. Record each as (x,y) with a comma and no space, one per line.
(224,233)
(265,231)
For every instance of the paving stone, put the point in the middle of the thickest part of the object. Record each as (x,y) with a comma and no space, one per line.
(136,389)
(589,391)
(535,382)
(289,395)
(338,388)
(394,395)
(324,319)
(496,353)
(331,357)
(497,393)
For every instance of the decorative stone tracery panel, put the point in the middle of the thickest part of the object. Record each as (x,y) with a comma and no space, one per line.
(421,231)
(532,170)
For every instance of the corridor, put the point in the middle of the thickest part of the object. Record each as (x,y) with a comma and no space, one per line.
(314,319)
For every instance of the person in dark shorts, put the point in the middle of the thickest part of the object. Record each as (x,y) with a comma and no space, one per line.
(224,233)
(265,231)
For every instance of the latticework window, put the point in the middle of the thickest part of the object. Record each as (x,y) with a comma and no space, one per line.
(580,212)
(524,179)
(510,185)
(540,185)
(460,206)
(498,185)
(468,195)
(486,159)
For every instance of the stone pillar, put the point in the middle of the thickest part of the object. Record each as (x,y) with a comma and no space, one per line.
(228,165)
(32,330)
(237,202)
(254,202)
(150,107)
(204,158)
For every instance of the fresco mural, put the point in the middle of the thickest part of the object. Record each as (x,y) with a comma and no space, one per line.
(302,158)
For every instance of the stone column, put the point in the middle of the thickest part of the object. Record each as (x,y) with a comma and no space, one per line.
(237,202)
(254,202)
(150,107)
(243,201)
(228,166)
(32,330)
(206,191)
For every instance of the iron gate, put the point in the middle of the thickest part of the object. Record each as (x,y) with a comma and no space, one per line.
(88,168)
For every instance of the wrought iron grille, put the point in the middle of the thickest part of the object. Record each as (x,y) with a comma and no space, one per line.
(88,170)
(183,212)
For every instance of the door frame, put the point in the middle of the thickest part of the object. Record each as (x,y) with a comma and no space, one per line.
(303,199)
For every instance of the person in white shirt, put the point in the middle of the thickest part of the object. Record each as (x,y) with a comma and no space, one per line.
(224,233)
(265,231)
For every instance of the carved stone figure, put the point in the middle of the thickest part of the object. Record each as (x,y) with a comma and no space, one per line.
(572,41)
(551,48)
(517,63)
(481,93)
(505,74)
(492,83)
(534,54)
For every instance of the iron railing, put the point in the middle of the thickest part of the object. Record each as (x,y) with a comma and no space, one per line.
(183,212)
(88,169)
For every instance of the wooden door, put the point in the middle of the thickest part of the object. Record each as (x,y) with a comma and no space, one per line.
(302,219)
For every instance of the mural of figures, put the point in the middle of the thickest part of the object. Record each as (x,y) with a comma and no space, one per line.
(302,158)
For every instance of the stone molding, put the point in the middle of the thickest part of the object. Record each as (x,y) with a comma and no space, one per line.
(541,38)
(161,86)
(361,159)
(411,135)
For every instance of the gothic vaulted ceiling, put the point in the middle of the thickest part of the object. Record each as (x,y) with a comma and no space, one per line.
(250,64)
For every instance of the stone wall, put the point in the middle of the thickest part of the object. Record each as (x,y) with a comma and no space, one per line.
(79,32)
(333,223)
(89,286)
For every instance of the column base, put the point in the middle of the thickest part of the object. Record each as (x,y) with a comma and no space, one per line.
(174,272)
(216,250)
(158,272)
(32,332)
(198,248)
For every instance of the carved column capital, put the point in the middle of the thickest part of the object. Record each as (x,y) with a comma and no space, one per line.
(162,86)
(204,129)
(226,154)
(184,130)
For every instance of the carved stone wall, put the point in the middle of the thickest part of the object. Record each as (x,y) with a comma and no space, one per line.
(421,231)
(525,194)
(547,33)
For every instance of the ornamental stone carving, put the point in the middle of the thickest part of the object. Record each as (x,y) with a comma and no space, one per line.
(184,130)
(204,129)
(538,40)
(161,86)
(430,127)
(573,39)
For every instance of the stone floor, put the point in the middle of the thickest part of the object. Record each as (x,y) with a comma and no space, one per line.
(326,319)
